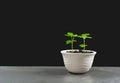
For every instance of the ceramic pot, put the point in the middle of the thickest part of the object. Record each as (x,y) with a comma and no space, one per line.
(78,62)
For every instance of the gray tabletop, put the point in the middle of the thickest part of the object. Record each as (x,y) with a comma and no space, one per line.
(58,75)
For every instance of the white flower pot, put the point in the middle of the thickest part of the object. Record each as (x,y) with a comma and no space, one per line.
(78,62)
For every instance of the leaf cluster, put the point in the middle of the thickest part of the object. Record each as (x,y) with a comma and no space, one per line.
(83,36)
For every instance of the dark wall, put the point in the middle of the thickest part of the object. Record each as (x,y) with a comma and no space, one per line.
(34,39)
(42,46)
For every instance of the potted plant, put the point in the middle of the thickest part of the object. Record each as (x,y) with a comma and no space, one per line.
(78,60)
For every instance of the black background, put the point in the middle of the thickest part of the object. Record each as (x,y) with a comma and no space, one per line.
(36,37)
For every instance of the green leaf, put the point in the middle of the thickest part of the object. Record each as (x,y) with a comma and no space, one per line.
(75,35)
(80,36)
(82,45)
(89,37)
(85,35)
(74,40)
(68,41)
(70,34)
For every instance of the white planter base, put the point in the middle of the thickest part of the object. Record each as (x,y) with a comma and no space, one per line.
(78,62)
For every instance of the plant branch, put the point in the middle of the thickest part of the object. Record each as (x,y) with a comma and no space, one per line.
(72,42)
(84,43)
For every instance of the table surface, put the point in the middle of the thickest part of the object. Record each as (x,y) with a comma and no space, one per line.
(56,74)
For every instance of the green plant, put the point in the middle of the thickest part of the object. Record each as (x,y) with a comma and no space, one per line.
(72,40)
(84,37)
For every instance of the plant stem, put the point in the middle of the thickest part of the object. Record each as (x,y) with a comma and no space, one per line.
(72,38)
(84,43)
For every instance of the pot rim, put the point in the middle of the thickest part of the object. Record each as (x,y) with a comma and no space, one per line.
(65,51)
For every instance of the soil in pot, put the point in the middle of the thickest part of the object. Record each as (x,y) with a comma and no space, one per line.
(79,51)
